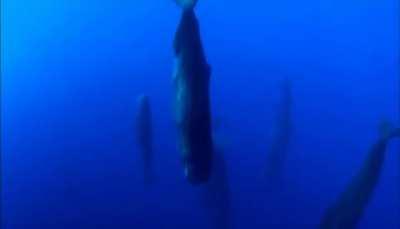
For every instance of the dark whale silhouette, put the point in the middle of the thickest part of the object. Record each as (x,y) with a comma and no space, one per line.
(348,209)
(192,102)
(144,135)
(277,153)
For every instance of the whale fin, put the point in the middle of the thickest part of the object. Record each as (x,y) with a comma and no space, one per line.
(186,4)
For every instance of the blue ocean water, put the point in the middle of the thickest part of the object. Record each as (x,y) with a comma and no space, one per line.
(72,70)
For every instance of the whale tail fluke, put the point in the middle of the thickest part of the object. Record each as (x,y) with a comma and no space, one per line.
(186,4)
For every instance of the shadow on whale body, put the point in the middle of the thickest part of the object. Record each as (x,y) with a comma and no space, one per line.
(192,102)
(348,209)
(277,152)
(144,135)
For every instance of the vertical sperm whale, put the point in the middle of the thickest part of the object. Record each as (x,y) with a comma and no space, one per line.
(276,157)
(144,135)
(192,100)
(347,211)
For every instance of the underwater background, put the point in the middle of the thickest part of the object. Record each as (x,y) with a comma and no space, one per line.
(72,71)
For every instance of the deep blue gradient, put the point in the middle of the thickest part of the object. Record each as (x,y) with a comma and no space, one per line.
(71,72)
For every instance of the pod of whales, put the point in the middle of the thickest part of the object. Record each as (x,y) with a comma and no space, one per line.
(202,164)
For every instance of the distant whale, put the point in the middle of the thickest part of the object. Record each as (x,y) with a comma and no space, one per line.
(277,153)
(347,211)
(192,100)
(145,136)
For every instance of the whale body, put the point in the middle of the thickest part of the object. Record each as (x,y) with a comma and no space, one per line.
(192,101)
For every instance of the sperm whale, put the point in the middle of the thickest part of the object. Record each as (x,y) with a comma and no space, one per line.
(144,136)
(277,152)
(192,100)
(348,209)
